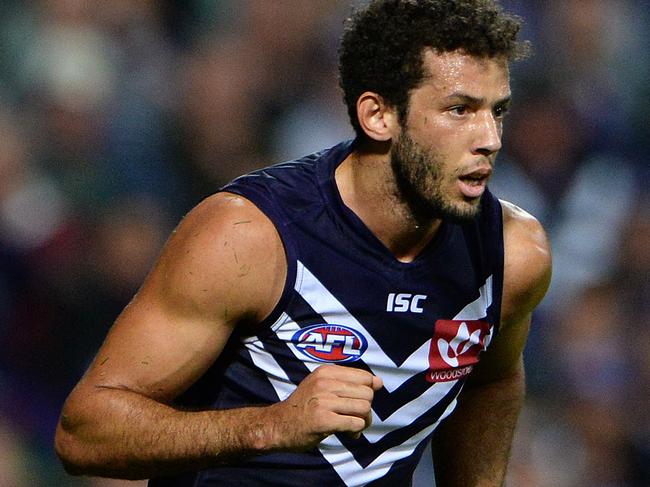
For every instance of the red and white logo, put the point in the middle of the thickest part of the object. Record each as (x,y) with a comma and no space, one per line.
(330,343)
(455,348)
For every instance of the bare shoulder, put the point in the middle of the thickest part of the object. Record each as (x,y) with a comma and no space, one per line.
(527,266)
(224,247)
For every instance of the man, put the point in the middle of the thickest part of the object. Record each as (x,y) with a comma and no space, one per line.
(316,322)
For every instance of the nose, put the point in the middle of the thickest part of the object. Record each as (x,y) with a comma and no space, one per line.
(488,135)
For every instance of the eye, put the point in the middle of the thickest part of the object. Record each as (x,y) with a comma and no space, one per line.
(459,110)
(501,111)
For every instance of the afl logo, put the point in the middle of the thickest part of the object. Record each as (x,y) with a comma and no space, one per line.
(330,343)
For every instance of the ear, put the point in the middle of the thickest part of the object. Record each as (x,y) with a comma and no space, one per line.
(376,118)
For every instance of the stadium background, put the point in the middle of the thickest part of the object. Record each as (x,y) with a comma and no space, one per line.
(117,117)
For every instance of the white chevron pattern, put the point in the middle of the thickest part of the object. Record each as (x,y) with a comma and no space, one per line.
(393,375)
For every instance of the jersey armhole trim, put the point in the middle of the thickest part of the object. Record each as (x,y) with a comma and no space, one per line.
(267,206)
(499,275)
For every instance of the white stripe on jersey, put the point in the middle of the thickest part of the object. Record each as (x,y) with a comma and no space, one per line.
(354,475)
(333,312)
(393,375)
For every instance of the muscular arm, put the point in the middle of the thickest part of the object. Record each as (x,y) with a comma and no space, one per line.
(471,448)
(225,265)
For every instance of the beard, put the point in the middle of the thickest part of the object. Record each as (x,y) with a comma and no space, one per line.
(419,175)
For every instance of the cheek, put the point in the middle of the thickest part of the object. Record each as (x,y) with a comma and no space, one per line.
(451,150)
(439,138)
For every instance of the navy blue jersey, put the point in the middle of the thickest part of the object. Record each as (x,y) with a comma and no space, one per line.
(421,326)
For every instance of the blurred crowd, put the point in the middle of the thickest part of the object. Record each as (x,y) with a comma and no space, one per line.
(117,117)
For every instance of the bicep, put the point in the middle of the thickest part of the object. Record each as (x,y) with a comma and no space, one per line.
(156,353)
(214,273)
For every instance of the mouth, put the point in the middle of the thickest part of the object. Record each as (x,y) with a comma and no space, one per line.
(472,184)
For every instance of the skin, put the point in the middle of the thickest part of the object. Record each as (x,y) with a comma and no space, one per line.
(455,120)
(490,403)
(225,266)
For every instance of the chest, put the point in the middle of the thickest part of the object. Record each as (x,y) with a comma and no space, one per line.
(397,334)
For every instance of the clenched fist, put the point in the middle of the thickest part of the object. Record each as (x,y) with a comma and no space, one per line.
(332,399)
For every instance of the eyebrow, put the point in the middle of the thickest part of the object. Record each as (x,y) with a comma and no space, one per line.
(472,100)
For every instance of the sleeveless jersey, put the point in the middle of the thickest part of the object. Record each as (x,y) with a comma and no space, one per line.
(420,326)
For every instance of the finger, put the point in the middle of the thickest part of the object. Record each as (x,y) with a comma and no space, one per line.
(368,419)
(357,434)
(338,387)
(377,383)
(350,407)
(351,391)
(347,424)
(352,375)
(349,374)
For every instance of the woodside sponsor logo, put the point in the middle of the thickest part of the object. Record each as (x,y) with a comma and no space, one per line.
(455,348)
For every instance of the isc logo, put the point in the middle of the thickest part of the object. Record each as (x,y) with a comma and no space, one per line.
(330,343)
(403,302)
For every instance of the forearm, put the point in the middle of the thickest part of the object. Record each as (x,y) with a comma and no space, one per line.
(113,432)
(472,447)
(118,433)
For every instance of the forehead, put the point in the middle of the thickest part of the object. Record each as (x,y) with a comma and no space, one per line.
(457,72)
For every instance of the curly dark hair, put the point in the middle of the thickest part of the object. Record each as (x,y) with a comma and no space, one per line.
(382,46)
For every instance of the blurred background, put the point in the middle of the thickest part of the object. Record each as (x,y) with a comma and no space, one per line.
(117,117)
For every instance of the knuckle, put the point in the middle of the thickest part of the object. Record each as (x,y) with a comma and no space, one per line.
(324,370)
(314,402)
(364,377)
(363,407)
(320,422)
(320,403)
(357,424)
(366,407)
(322,383)
(319,371)
(367,393)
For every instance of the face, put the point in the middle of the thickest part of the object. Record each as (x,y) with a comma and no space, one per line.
(445,151)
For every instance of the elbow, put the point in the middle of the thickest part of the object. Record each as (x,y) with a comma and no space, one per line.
(70,451)
(81,457)
(83,441)
(77,454)
(73,431)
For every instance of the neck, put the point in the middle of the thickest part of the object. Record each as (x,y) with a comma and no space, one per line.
(367,186)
